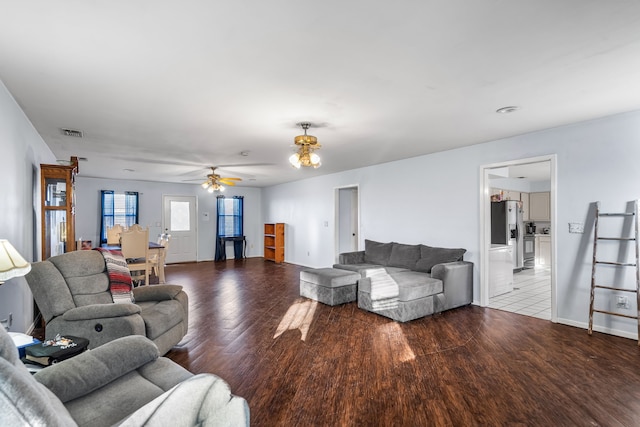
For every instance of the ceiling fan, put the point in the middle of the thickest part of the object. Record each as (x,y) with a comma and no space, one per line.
(214,181)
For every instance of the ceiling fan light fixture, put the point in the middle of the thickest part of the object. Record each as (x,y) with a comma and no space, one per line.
(213,182)
(307,144)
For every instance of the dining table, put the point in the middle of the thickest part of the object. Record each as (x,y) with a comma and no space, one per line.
(154,249)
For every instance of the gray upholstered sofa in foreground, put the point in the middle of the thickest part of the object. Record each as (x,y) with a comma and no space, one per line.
(427,280)
(72,293)
(123,382)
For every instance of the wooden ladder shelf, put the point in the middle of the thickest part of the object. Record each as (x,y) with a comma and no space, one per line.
(597,262)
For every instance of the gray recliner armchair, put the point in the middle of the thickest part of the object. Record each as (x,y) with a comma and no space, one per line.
(72,293)
(123,382)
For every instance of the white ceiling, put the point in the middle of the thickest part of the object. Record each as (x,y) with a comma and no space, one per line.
(166,88)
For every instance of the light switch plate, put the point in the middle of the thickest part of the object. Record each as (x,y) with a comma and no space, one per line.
(576,227)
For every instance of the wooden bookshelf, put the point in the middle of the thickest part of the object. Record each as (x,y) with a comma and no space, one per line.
(274,242)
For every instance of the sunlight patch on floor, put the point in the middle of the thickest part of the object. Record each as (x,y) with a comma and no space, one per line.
(298,316)
(397,341)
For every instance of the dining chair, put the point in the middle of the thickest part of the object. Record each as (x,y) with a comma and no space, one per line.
(137,227)
(159,257)
(134,244)
(113,234)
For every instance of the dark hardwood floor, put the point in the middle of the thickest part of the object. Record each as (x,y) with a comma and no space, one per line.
(465,367)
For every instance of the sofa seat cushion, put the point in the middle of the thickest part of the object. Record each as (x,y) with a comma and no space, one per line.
(114,402)
(362,268)
(329,277)
(160,316)
(413,285)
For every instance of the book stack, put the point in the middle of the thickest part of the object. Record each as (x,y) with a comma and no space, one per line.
(56,350)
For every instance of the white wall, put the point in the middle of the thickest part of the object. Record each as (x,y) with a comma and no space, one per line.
(434,200)
(22,151)
(150,214)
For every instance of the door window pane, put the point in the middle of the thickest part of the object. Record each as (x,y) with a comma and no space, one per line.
(180,216)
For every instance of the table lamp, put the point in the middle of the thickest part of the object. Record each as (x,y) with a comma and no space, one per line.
(11,262)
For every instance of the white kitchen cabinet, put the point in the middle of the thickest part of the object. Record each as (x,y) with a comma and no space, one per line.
(543,250)
(505,194)
(540,206)
(511,195)
(500,270)
(525,206)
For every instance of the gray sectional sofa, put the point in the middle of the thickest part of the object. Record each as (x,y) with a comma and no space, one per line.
(428,279)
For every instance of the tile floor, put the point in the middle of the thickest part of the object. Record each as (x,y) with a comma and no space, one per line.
(531,294)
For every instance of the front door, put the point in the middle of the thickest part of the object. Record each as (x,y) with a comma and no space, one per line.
(179,220)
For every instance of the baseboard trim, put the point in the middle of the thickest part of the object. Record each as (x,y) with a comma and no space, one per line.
(597,328)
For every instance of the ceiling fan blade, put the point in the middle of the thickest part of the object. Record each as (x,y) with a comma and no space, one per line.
(228,183)
(231,179)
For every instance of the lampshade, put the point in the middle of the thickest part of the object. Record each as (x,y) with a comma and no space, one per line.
(307,144)
(11,262)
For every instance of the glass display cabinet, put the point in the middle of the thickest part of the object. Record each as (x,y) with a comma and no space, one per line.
(57,183)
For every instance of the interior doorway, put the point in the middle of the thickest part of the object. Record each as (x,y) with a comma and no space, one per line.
(347,219)
(179,220)
(505,282)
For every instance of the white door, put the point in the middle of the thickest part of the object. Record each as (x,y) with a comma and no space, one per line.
(179,220)
(347,214)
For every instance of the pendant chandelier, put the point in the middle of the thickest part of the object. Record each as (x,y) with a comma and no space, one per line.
(307,144)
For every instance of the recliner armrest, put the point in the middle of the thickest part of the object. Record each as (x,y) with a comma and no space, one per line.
(100,311)
(96,368)
(351,257)
(156,292)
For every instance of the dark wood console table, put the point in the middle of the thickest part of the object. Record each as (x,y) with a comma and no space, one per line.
(239,245)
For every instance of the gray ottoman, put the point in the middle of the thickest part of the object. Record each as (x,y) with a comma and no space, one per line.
(329,285)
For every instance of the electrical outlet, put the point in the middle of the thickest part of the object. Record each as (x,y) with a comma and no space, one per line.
(576,227)
(622,302)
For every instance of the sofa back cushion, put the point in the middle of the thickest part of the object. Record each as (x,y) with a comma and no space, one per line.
(376,252)
(430,256)
(49,289)
(404,256)
(85,274)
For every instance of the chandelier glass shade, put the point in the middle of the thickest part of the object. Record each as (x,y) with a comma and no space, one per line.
(307,144)
(211,185)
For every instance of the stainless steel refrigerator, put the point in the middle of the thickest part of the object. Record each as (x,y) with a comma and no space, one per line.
(507,228)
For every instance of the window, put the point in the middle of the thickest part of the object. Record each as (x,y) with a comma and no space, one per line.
(230,213)
(117,208)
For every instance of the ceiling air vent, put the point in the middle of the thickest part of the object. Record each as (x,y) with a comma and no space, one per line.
(72,132)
